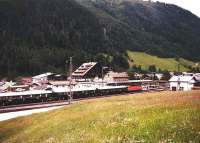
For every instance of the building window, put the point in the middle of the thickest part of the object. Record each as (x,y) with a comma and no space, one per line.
(181,88)
(173,88)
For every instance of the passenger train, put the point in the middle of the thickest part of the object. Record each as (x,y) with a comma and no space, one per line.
(79,90)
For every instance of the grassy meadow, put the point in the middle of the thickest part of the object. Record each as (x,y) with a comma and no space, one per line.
(145,60)
(165,117)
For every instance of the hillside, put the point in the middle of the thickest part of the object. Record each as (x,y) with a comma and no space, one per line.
(145,60)
(38,36)
(146,117)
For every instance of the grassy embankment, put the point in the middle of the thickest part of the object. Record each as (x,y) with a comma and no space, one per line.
(146,117)
(170,64)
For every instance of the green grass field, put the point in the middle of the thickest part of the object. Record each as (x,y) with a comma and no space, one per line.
(165,117)
(145,60)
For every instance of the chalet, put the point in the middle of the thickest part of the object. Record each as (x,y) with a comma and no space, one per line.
(116,76)
(87,71)
(182,82)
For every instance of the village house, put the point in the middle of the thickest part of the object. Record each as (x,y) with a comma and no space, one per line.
(87,71)
(183,82)
(42,78)
(116,76)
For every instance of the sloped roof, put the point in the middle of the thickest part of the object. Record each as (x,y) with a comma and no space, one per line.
(84,69)
(117,74)
(43,75)
(197,77)
(182,78)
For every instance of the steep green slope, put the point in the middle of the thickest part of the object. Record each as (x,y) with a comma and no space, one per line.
(147,117)
(39,35)
(146,60)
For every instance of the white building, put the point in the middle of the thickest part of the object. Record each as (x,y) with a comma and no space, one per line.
(42,77)
(182,82)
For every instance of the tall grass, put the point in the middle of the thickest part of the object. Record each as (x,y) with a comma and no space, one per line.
(165,117)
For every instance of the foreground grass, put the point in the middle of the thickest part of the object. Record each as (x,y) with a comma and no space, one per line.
(145,60)
(148,117)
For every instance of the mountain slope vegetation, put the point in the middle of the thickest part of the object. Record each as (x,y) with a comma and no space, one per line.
(39,35)
(145,60)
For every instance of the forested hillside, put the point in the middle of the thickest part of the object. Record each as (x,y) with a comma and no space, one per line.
(39,35)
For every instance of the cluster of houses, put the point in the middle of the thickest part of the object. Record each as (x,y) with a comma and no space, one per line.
(91,71)
(184,81)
